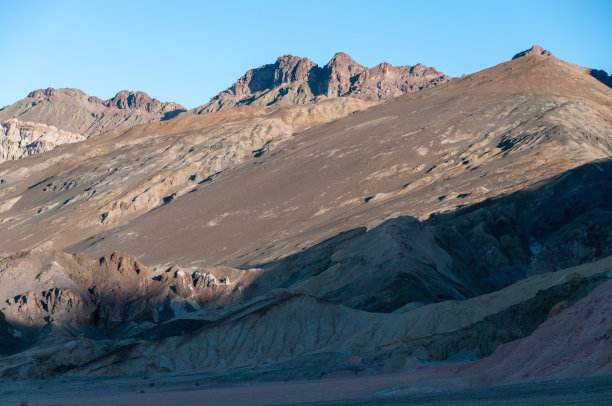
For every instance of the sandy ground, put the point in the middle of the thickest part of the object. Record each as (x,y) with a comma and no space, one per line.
(390,389)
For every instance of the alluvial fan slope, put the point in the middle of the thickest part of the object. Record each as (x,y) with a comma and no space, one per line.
(468,223)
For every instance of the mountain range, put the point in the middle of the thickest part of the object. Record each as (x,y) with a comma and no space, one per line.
(391,227)
(50,117)
(295,80)
(37,122)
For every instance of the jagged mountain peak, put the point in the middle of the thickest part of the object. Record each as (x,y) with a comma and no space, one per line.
(296,80)
(74,111)
(124,99)
(343,59)
(51,92)
(534,50)
(289,59)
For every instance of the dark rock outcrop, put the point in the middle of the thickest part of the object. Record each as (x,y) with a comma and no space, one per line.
(602,76)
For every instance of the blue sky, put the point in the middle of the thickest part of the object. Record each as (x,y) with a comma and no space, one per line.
(187,51)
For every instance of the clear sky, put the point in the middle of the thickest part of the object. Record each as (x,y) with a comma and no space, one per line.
(187,51)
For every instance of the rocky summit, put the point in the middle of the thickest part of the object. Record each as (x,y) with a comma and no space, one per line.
(311,234)
(74,111)
(50,117)
(534,50)
(598,74)
(295,80)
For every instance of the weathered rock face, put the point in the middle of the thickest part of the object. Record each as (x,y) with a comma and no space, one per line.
(43,288)
(404,288)
(575,342)
(19,139)
(74,111)
(295,80)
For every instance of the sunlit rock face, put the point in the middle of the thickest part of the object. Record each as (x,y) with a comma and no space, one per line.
(295,80)
(19,139)
(73,110)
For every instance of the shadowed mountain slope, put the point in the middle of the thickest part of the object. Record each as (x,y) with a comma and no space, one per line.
(288,328)
(466,253)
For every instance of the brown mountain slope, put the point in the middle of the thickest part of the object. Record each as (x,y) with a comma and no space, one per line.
(463,254)
(401,264)
(78,190)
(489,133)
(476,137)
(598,74)
(295,80)
(74,111)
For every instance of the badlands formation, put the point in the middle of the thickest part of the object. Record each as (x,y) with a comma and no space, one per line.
(390,228)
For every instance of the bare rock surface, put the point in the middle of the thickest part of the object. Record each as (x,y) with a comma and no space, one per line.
(19,139)
(462,254)
(362,302)
(46,287)
(575,342)
(295,80)
(278,334)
